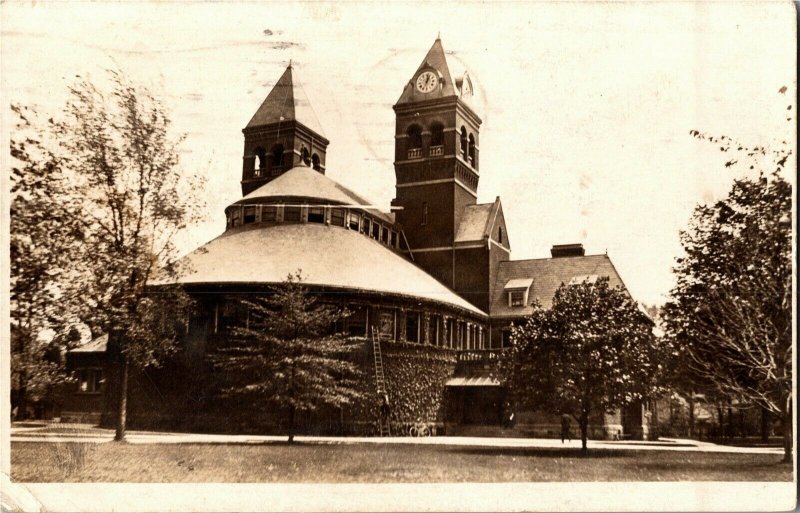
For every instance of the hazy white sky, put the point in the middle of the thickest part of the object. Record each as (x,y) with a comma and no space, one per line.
(586,107)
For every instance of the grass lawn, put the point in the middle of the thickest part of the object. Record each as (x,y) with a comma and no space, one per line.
(372,463)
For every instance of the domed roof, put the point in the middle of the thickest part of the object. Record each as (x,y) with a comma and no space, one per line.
(305,182)
(327,256)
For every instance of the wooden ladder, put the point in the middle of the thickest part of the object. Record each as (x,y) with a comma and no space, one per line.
(380,380)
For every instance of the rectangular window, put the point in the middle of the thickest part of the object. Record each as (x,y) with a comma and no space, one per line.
(236,217)
(376,231)
(412,327)
(451,333)
(505,341)
(385,235)
(357,321)
(436,330)
(90,381)
(393,238)
(291,214)
(337,216)
(353,221)
(269,214)
(424,213)
(316,215)
(249,215)
(516,298)
(366,226)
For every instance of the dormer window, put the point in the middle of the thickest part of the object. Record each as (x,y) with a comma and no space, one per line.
(517,291)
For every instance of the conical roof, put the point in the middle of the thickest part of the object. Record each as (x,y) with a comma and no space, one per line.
(287,102)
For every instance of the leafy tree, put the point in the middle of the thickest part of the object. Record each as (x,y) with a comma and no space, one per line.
(43,232)
(592,352)
(287,354)
(731,307)
(126,190)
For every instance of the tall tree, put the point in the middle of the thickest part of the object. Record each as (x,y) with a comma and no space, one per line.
(127,191)
(289,355)
(593,351)
(731,307)
(43,231)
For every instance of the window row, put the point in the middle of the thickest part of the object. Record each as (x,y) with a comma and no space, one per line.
(351,219)
(272,163)
(466,148)
(392,324)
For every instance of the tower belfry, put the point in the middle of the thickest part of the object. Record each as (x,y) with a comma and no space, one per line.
(436,160)
(283,133)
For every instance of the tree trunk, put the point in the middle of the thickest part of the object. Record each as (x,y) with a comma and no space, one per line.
(584,425)
(691,414)
(787,430)
(22,397)
(291,423)
(765,421)
(122,412)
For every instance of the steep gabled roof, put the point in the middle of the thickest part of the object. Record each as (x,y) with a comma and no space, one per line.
(547,274)
(304,182)
(437,59)
(287,102)
(98,345)
(475,223)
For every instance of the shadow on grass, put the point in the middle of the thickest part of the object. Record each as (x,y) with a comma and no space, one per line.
(541,452)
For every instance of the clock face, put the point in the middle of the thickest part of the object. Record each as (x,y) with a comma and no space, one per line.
(426,82)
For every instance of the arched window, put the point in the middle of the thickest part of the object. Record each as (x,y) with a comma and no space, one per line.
(260,161)
(472,150)
(315,162)
(437,134)
(464,143)
(414,134)
(277,157)
(304,156)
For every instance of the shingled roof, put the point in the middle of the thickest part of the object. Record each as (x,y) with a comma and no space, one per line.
(328,256)
(474,225)
(305,182)
(287,102)
(547,274)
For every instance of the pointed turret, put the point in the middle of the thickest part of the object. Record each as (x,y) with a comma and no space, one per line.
(287,102)
(283,133)
(434,78)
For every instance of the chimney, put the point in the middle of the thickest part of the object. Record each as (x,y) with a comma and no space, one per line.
(567,250)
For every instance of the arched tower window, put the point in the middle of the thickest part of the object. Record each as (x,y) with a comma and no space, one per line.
(304,156)
(414,134)
(315,162)
(437,136)
(464,144)
(260,161)
(472,150)
(277,157)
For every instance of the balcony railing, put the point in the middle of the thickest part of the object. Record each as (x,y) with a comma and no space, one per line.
(478,355)
(436,151)
(415,153)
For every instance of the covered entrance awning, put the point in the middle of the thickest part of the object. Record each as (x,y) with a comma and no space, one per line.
(476,381)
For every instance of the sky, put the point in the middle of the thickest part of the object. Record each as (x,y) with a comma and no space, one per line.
(586,107)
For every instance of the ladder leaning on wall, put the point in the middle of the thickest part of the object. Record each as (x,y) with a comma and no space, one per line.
(380,381)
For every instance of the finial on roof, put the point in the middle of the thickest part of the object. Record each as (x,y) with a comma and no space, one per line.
(439,35)
(290,63)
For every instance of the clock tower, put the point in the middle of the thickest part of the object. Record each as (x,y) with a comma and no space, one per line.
(436,161)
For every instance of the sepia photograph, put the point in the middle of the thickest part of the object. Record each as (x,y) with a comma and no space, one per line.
(398,256)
